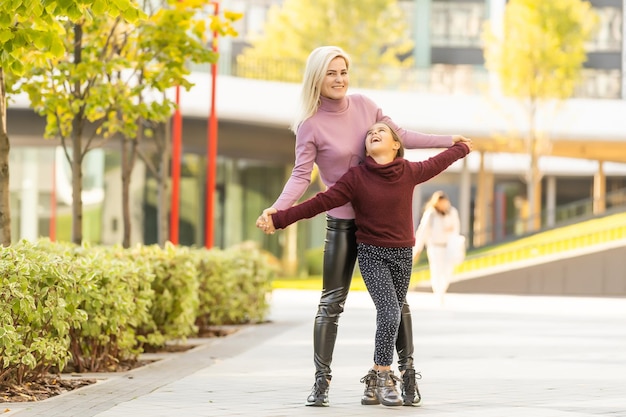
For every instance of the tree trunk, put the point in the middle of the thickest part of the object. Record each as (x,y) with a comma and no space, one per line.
(126,172)
(533,222)
(534,194)
(163,185)
(77,180)
(160,171)
(77,149)
(5,147)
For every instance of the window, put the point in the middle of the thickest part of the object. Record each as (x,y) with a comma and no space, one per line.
(457,24)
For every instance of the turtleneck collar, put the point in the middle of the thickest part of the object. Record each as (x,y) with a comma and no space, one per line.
(391,171)
(330,105)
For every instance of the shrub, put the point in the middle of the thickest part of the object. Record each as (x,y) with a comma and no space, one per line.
(315,261)
(175,302)
(39,305)
(234,285)
(117,295)
(96,307)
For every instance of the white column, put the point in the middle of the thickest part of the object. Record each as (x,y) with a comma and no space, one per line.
(233,204)
(496,20)
(465,196)
(624,49)
(551,200)
(480,208)
(29,195)
(421,28)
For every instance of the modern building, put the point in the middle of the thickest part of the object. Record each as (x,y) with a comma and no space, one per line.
(584,170)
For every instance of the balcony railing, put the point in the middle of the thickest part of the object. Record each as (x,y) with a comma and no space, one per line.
(439,78)
(563,215)
(540,246)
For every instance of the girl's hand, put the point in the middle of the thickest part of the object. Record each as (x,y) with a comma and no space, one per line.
(264,222)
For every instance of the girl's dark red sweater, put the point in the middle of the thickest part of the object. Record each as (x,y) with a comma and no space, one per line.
(382,197)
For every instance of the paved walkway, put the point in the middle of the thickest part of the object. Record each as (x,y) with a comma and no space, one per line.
(480,356)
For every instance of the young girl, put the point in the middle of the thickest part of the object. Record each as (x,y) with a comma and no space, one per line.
(381,191)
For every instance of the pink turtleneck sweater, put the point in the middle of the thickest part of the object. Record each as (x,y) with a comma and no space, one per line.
(382,196)
(334,139)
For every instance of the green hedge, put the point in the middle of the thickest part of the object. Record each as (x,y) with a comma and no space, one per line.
(39,305)
(95,307)
(234,286)
(176,284)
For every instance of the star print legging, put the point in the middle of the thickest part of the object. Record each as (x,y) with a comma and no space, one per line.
(386,273)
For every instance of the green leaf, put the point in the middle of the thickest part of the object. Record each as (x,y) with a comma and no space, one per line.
(56,46)
(5,20)
(99,7)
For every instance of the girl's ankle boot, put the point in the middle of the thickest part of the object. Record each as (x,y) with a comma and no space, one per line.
(386,390)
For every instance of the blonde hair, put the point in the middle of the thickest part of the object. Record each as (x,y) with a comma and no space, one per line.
(437,195)
(316,65)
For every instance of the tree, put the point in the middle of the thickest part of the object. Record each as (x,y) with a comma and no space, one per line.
(373,32)
(30,33)
(80,94)
(103,87)
(538,58)
(159,50)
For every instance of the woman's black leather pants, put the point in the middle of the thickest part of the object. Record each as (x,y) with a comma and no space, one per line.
(339,260)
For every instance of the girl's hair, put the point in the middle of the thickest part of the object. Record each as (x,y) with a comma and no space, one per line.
(396,138)
(316,65)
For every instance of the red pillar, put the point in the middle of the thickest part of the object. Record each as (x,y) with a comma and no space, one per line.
(177,131)
(211,151)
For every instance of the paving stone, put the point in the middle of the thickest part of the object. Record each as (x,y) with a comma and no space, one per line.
(479,356)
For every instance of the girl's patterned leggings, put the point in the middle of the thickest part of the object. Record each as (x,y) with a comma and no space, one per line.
(386,273)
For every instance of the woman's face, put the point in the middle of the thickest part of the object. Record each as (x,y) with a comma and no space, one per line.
(335,82)
(443,204)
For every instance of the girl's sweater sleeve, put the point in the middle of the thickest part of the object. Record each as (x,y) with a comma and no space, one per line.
(425,170)
(337,195)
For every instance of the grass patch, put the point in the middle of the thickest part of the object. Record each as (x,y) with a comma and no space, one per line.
(315,283)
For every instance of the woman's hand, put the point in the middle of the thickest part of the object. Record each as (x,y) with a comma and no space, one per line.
(463,139)
(265,223)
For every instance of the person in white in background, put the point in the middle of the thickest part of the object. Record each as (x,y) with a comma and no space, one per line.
(439,225)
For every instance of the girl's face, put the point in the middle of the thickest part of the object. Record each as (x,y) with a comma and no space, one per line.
(379,140)
(335,82)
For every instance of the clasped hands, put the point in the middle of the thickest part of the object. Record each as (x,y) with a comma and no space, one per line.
(265,223)
(467,141)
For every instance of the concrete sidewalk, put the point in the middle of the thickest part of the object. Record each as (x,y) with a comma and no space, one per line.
(479,355)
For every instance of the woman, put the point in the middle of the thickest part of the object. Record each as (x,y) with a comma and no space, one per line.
(437,230)
(381,193)
(329,127)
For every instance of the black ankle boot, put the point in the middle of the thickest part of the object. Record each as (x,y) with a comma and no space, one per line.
(386,391)
(410,393)
(369,395)
(319,393)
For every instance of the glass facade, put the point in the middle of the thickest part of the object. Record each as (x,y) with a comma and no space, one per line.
(457,23)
